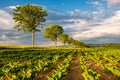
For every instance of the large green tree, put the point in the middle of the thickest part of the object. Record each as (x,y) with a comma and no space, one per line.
(52,32)
(29,18)
(63,38)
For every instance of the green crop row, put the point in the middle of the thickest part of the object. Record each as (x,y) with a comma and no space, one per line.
(36,62)
(62,69)
(88,73)
(109,60)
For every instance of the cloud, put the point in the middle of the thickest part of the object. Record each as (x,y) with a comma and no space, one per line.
(6,21)
(68,17)
(108,27)
(12,7)
(104,39)
(57,18)
(14,37)
(76,12)
(113,3)
(95,3)
(95,27)
(5,38)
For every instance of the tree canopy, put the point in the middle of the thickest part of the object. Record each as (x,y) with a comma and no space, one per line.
(63,38)
(29,18)
(52,32)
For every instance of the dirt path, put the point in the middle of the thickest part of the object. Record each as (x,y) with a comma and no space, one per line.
(75,70)
(48,72)
(99,69)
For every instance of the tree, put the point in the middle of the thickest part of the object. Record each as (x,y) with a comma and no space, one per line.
(28,17)
(77,43)
(63,38)
(52,32)
(69,40)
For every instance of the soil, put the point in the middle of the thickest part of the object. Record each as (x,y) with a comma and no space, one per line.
(75,70)
(118,65)
(97,68)
(42,76)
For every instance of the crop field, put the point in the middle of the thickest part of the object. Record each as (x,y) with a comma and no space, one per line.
(58,63)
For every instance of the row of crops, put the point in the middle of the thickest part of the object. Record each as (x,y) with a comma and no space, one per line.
(25,65)
(108,60)
(88,73)
(22,64)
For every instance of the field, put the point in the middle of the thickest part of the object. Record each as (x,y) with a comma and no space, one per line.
(57,63)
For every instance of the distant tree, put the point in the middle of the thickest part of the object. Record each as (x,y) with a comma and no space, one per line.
(29,18)
(52,32)
(69,40)
(77,43)
(63,38)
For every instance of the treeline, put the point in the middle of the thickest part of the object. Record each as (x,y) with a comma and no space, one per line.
(65,39)
(55,33)
(30,18)
(115,46)
(112,45)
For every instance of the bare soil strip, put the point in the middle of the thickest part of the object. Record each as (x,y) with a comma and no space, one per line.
(43,75)
(100,70)
(75,70)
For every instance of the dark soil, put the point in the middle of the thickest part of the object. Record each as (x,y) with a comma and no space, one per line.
(75,70)
(42,76)
(97,68)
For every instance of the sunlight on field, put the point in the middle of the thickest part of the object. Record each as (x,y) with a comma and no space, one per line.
(26,62)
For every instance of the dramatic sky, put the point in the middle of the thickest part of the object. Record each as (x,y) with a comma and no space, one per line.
(90,21)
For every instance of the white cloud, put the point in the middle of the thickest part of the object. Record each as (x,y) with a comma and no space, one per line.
(81,25)
(11,7)
(113,3)
(110,26)
(96,3)
(95,12)
(95,26)
(76,12)
(3,36)
(6,21)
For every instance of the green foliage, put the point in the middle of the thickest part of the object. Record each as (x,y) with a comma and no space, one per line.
(28,17)
(77,43)
(63,38)
(69,40)
(112,69)
(1,73)
(61,71)
(88,73)
(108,59)
(26,64)
(53,31)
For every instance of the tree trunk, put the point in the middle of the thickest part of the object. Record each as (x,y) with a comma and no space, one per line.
(56,42)
(64,44)
(33,38)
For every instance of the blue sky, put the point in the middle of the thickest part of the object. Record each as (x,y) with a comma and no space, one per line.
(90,21)
(51,4)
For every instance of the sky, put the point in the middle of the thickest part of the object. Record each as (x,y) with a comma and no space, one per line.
(90,21)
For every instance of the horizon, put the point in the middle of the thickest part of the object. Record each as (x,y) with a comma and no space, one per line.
(89,21)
